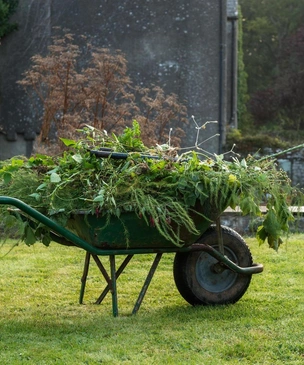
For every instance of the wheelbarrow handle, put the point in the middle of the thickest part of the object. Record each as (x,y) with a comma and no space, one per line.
(108,153)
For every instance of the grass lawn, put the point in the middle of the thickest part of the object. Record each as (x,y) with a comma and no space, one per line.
(41,321)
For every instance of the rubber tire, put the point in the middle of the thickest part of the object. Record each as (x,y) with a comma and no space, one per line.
(196,281)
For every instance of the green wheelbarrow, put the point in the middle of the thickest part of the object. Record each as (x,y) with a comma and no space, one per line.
(212,268)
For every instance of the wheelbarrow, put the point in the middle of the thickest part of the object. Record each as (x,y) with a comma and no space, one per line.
(213,267)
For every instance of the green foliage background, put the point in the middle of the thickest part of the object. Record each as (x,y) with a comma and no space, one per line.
(271,48)
(242,88)
(7,8)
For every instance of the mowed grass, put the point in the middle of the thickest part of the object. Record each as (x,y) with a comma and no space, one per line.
(41,321)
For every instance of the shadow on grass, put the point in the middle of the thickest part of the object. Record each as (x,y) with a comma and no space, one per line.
(91,317)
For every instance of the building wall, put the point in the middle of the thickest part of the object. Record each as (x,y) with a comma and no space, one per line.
(176,44)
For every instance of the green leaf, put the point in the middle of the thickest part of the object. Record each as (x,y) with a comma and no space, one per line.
(68,142)
(29,235)
(41,186)
(17,162)
(244,163)
(56,211)
(55,178)
(78,158)
(37,196)
(233,201)
(271,224)
(274,242)
(248,206)
(46,239)
(7,177)
(99,198)
(261,234)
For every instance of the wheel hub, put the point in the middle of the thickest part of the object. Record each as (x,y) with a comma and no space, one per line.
(218,268)
(213,275)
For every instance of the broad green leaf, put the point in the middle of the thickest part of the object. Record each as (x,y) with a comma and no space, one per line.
(244,163)
(248,206)
(46,239)
(55,178)
(99,198)
(41,186)
(261,234)
(17,162)
(29,235)
(271,224)
(68,142)
(36,196)
(78,158)
(7,177)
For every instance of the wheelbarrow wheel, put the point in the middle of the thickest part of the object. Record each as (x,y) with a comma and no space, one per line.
(198,280)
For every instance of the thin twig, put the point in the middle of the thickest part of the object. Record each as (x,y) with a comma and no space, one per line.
(199,128)
(282,152)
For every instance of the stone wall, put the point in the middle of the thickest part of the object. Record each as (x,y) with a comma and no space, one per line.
(293,164)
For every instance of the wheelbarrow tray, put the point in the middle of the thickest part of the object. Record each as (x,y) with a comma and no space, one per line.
(131,231)
(99,233)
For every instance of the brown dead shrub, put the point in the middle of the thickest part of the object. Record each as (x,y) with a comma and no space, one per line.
(98,93)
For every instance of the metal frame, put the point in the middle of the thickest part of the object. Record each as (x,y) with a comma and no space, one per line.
(113,274)
(111,279)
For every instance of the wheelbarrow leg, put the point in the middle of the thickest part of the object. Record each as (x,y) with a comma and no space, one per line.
(111,280)
(114,287)
(101,269)
(147,283)
(119,271)
(84,276)
(112,277)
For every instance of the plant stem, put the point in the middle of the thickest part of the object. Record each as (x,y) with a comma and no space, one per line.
(282,152)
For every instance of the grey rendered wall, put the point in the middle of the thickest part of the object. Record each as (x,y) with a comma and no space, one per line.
(176,44)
